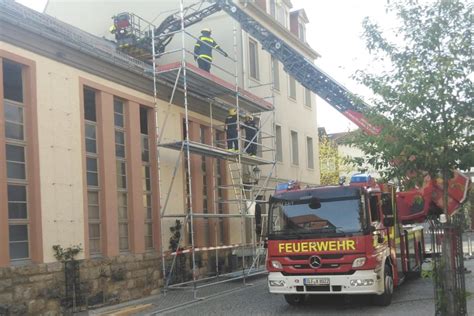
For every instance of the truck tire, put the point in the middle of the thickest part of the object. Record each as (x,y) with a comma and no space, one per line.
(295,299)
(385,298)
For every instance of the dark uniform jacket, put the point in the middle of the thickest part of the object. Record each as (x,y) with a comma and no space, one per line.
(204,46)
(231,122)
(250,130)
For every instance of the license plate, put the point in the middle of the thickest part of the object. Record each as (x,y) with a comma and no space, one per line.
(316,281)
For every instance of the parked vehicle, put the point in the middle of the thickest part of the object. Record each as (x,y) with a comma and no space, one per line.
(340,240)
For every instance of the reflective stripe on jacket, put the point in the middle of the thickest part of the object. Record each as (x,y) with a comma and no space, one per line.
(203,47)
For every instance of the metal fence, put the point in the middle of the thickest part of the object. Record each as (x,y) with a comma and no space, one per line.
(448,267)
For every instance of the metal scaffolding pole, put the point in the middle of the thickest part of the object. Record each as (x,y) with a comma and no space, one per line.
(157,124)
(246,193)
(188,158)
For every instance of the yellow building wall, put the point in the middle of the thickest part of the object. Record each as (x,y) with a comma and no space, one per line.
(60,153)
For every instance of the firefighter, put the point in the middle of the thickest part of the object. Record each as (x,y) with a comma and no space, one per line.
(250,128)
(121,34)
(231,131)
(113,30)
(203,50)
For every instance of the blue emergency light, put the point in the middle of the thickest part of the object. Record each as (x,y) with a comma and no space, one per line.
(282,186)
(361,178)
(287,186)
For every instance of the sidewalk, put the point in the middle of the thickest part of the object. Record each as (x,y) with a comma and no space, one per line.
(469,265)
(420,293)
(173,298)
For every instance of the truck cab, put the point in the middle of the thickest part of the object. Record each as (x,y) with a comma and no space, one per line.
(339,240)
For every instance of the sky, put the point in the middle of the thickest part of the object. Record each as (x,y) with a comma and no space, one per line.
(334,31)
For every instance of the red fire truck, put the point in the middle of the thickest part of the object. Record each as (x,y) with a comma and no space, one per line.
(326,240)
(345,239)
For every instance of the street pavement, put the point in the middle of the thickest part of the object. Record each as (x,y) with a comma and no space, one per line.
(414,297)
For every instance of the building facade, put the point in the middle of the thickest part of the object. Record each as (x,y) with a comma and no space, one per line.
(79,126)
(254,69)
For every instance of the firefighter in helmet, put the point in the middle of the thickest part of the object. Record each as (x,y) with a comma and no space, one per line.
(231,130)
(250,128)
(203,50)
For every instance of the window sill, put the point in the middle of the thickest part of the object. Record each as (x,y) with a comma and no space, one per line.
(309,108)
(96,256)
(292,99)
(20,262)
(255,80)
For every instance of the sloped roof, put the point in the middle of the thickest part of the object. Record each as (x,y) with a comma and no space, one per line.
(339,137)
(68,35)
(301,13)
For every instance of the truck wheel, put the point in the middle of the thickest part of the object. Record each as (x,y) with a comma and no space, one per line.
(385,298)
(295,299)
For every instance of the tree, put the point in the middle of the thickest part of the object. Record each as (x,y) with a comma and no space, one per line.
(423,99)
(424,96)
(329,160)
(333,165)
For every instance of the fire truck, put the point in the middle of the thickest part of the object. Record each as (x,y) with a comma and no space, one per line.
(355,239)
(361,238)
(340,240)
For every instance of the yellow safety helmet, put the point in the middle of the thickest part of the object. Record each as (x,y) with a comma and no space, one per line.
(206,30)
(232,111)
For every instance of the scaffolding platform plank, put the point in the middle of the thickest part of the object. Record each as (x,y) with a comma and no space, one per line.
(216,152)
(212,87)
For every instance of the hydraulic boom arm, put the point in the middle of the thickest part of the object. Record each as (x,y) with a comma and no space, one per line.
(295,64)
(314,79)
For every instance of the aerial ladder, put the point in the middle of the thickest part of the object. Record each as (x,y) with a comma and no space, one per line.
(314,79)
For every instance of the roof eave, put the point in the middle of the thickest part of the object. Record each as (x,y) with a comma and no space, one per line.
(256,12)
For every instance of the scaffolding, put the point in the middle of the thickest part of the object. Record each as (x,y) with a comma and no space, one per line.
(238,192)
(242,193)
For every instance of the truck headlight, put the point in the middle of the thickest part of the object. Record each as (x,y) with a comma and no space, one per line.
(359,262)
(276,264)
(362,282)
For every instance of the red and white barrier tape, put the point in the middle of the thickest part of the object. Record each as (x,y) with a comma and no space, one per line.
(208,248)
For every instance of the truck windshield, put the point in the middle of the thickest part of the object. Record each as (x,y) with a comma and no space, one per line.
(334,217)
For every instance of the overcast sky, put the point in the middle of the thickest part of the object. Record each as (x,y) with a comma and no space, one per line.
(334,31)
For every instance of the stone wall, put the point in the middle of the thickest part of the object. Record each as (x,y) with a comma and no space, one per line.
(31,289)
(40,289)
(205,265)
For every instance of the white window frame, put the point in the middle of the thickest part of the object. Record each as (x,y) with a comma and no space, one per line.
(310,152)
(308,98)
(278,143)
(93,188)
(294,148)
(21,182)
(275,73)
(290,80)
(301,31)
(147,190)
(122,221)
(255,56)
